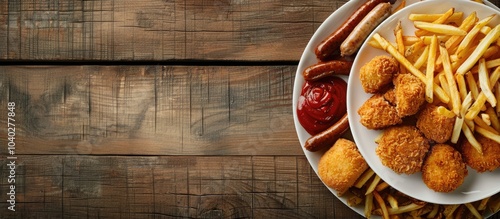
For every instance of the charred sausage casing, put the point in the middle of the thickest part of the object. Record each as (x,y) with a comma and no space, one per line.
(358,35)
(328,137)
(330,47)
(325,69)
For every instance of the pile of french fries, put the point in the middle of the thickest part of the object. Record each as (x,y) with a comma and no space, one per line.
(458,60)
(457,57)
(382,200)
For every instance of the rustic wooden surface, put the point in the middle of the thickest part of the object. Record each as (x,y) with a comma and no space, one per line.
(158,109)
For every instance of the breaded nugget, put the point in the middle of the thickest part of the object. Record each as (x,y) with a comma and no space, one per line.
(489,161)
(402,148)
(390,96)
(377,113)
(444,169)
(410,94)
(433,125)
(378,73)
(341,165)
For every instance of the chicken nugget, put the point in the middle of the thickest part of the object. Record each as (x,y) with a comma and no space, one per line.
(378,73)
(410,94)
(402,148)
(444,169)
(488,161)
(377,113)
(341,165)
(433,125)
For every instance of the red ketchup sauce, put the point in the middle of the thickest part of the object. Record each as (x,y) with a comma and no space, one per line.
(321,104)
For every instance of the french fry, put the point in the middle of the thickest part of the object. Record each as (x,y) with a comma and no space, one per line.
(482,124)
(489,64)
(443,18)
(393,202)
(381,186)
(495,122)
(364,178)
(445,112)
(459,121)
(398,32)
(476,107)
(422,59)
(454,95)
(431,60)
(491,51)
(485,30)
(442,29)
(462,87)
(401,59)
(406,208)
(480,50)
(354,200)
(467,25)
(486,119)
(484,83)
(473,210)
(483,204)
(488,134)
(444,84)
(434,212)
(449,210)
(381,203)
(468,39)
(471,82)
(457,16)
(368,205)
(472,140)
(411,53)
(497,94)
(374,184)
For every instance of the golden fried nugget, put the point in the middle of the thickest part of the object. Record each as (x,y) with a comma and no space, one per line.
(489,161)
(390,96)
(444,169)
(378,73)
(402,148)
(341,165)
(433,125)
(410,94)
(377,113)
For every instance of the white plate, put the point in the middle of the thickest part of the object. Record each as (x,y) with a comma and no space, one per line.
(476,186)
(308,58)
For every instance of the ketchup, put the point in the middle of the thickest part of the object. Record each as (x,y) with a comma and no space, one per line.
(321,104)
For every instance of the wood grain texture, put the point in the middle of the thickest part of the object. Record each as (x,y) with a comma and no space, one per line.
(159,30)
(151,110)
(53,186)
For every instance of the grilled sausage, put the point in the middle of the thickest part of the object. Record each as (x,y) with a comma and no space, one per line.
(327,138)
(330,47)
(325,69)
(352,43)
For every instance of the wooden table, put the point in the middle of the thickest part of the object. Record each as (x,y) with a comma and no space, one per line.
(157,109)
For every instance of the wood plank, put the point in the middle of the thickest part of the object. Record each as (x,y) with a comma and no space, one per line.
(75,186)
(150,110)
(159,30)
(53,186)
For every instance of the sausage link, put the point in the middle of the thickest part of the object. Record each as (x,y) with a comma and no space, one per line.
(325,69)
(352,43)
(330,47)
(327,138)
